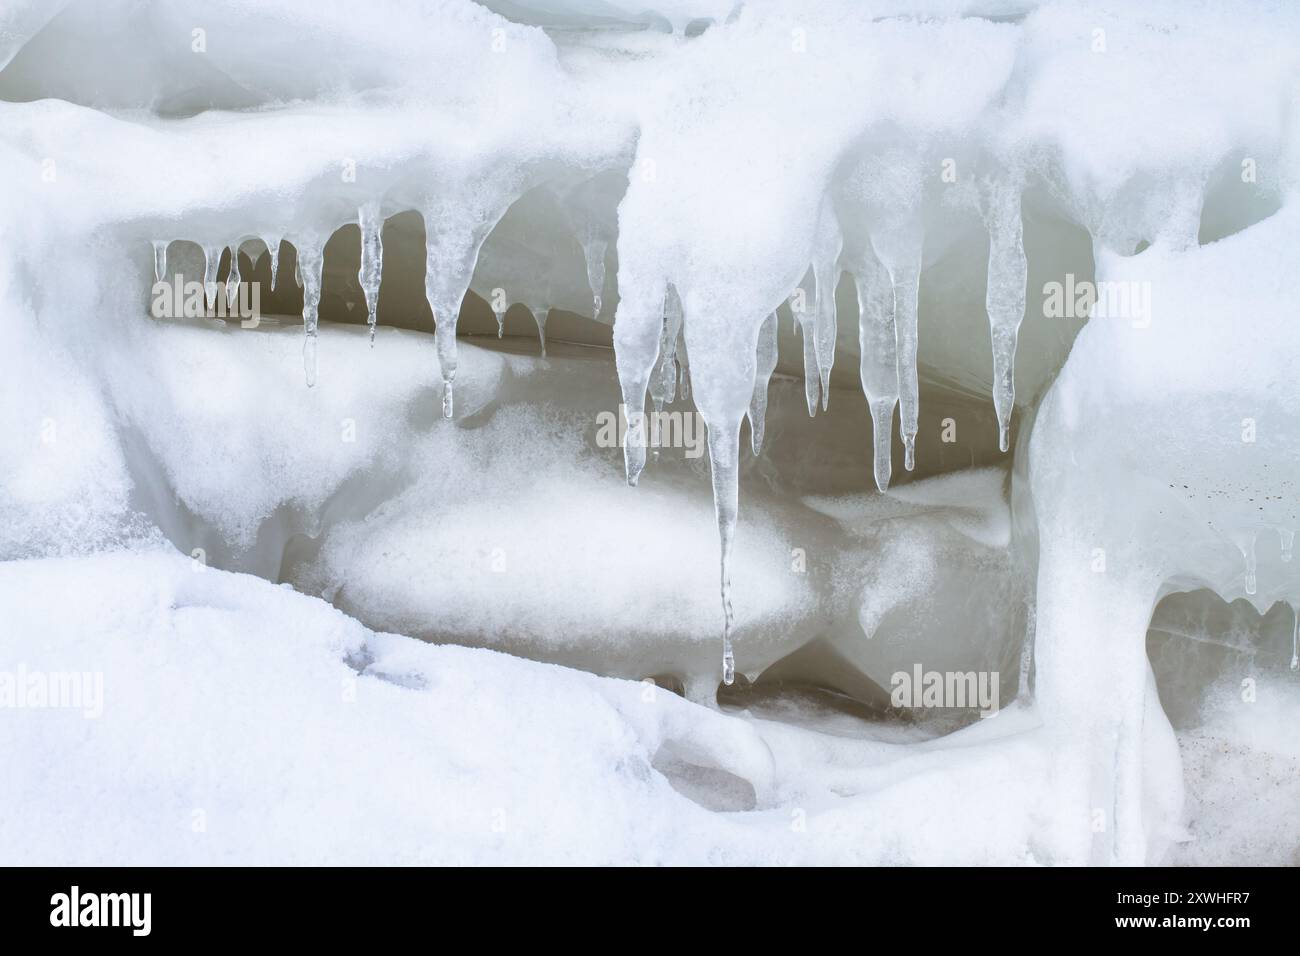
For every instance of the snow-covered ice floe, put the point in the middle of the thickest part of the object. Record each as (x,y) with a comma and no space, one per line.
(334,341)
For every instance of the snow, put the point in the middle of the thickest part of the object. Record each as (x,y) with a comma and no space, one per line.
(335,529)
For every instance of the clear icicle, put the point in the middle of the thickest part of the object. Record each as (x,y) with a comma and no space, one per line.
(1295,638)
(594,250)
(1005,298)
(452,243)
(663,380)
(900,250)
(310,260)
(804,306)
(879,365)
(766,355)
(232,280)
(1288,542)
(211,263)
(724,464)
(501,324)
(159,259)
(372,261)
(297,269)
(273,249)
(828,278)
(1249,551)
(540,316)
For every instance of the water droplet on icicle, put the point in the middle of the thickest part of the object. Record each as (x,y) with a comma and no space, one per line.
(765,365)
(310,260)
(879,364)
(372,261)
(1005,298)
(159,259)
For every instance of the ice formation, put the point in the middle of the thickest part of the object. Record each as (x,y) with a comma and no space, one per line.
(715,188)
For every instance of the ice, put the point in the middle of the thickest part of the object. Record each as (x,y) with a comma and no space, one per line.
(159,259)
(372,261)
(273,250)
(765,358)
(232,278)
(877,347)
(310,260)
(1008,272)
(211,263)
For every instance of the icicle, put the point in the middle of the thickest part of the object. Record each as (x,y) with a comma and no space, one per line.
(232,280)
(879,365)
(372,261)
(501,324)
(804,306)
(310,260)
(1249,552)
(273,249)
(683,370)
(159,259)
(828,278)
(594,250)
(539,316)
(1288,542)
(900,250)
(1295,638)
(724,459)
(663,380)
(1005,299)
(211,263)
(766,356)
(297,269)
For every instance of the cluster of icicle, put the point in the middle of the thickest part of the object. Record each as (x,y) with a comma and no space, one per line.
(886,270)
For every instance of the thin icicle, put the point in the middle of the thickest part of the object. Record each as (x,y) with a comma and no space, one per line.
(540,316)
(683,370)
(273,250)
(724,466)
(826,276)
(765,355)
(594,250)
(211,263)
(310,260)
(232,280)
(803,304)
(1249,551)
(1295,638)
(372,261)
(1005,299)
(1288,542)
(877,347)
(501,324)
(159,259)
(900,250)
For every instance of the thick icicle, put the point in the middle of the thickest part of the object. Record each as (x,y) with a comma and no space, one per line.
(1005,298)
(900,250)
(453,237)
(765,355)
(826,277)
(638,326)
(372,261)
(159,259)
(539,316)
(211,263)
(879,364)
(803,304)
(310,260)
(232,280)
